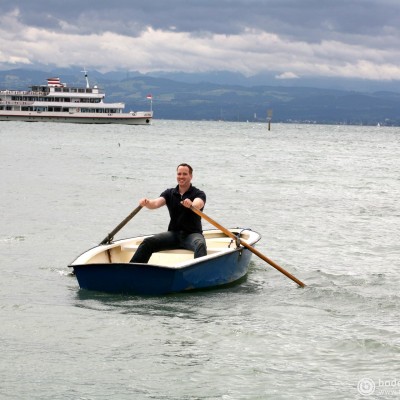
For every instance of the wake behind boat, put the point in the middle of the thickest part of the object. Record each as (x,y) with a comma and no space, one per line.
(57,102)
(106,267)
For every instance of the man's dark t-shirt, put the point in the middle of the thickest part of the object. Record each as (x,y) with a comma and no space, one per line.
(182,218)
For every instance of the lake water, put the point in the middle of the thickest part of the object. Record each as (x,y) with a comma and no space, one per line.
(325,200)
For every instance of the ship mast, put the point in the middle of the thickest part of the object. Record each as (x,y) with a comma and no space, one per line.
(86,77)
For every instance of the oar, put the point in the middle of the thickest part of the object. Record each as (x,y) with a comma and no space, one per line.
(110,236)
(252,249)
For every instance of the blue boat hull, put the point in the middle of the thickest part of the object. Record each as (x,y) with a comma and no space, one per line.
(147,279)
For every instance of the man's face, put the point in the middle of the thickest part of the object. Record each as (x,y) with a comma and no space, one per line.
(183,175)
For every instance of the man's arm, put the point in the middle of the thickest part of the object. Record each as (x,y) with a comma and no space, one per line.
(152,203)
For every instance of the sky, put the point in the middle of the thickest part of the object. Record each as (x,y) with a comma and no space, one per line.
(291,38)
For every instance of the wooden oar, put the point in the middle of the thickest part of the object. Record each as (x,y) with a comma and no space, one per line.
(110,236)
(243,243)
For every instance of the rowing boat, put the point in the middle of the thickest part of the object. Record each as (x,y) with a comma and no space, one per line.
(106,267)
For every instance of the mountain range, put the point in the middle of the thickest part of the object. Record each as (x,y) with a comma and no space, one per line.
(233,97)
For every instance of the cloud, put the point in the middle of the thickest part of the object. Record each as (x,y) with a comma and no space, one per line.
(287,37)
(287,75)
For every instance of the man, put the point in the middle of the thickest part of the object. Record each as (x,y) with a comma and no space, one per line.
(184,229)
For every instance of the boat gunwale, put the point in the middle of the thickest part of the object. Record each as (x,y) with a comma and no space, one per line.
(179,265)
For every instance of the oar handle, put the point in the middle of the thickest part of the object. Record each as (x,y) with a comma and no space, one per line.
(243,243)
(110,236)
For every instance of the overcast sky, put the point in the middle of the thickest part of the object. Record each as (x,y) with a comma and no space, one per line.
(292,38)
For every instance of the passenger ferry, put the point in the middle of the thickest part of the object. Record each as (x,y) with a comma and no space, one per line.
(57,102)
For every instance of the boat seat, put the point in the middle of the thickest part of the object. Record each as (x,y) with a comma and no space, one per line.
(176,251)
(175,256)
(215,243)
(132,247)
(171,257)
(210,249)
(220,242)
(129,247)
(214,250)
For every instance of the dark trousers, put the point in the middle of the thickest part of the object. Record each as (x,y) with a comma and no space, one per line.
(168,241)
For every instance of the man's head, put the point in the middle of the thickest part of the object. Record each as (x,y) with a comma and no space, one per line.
(184,174)
(186,165)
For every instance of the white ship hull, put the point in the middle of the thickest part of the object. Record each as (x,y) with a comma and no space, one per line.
(138,118)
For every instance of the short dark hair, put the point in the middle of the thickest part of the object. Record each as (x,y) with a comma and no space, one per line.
(185,165)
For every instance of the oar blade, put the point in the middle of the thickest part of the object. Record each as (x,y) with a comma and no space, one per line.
(252,249)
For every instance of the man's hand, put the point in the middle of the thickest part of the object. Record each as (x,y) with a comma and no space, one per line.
(187,203)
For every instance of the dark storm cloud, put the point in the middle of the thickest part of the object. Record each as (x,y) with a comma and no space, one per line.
(349,38)
(309,20)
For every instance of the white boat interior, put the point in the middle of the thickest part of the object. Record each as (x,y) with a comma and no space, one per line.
(121,251)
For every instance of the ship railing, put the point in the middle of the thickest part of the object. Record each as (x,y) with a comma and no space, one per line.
(23,92)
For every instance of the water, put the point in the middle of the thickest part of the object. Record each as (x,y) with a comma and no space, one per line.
(324,198)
